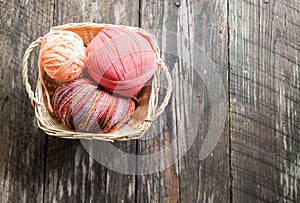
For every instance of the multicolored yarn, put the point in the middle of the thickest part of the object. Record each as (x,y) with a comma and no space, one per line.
(121,60)
(62,55)
(81,105)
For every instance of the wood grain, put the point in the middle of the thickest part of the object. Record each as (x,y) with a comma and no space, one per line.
(177,29)
(264,98)
(160,186)
(72,175)
(21,143)
(211,177)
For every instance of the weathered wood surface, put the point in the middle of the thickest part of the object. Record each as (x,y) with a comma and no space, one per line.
(265,100)
(257,157)
(188,180)
(22,144)
(72,175)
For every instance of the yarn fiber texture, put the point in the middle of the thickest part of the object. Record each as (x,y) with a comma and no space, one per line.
(121,60)
(81,105)
(62,55)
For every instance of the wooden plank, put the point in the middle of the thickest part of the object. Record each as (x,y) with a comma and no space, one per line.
(161,186)
(265,100)
(178,28)
(208,180)
(21,143)
(72,174)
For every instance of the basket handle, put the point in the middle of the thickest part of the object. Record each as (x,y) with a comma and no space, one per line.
(29,91)
(165,102)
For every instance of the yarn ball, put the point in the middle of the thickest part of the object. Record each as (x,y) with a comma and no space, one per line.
(121,60)
(81,105)
(62,55)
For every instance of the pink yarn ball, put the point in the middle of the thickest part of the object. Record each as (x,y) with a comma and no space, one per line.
(121,60)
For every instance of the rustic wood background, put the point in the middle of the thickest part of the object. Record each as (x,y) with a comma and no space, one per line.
(256,45)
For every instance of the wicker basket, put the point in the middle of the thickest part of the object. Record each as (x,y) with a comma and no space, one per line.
(48,122)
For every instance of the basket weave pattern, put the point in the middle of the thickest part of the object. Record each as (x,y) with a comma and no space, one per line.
(40,98)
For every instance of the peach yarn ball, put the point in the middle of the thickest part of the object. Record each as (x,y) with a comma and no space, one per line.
(62,55)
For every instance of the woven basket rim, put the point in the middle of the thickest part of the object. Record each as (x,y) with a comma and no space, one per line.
(128,131)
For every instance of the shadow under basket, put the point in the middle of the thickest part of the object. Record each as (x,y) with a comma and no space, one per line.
(48,122)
